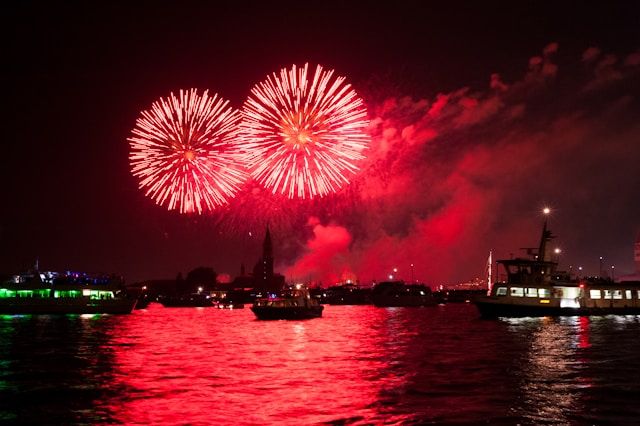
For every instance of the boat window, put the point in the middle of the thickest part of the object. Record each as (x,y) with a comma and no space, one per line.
(544,292)
(501,291)
(532,292)
(617,294)
(517,291)
(66,293)
(608,294)
(627,294)
(4,293)
(595,294)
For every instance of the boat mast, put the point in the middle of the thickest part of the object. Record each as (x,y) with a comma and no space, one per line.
(546,236)
(489,272)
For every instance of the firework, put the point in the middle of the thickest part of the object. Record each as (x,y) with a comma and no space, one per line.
(184,152)
(303,135)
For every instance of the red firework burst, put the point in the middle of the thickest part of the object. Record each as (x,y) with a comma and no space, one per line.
(184,152)
(302,136)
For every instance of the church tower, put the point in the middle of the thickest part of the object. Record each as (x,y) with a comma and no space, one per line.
(267,246)
(263,271)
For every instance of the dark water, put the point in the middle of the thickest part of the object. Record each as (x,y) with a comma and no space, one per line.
(356,365)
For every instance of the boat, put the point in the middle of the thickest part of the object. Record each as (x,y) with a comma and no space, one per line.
(535,287)
(229,304)
(64,293)
(142,295)
(231,299)
(193,300)
(399,294)
(346,294)
(144,299)
(295,303)
(455,295)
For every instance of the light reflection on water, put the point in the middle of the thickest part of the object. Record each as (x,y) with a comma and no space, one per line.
(572,364)
(356,365)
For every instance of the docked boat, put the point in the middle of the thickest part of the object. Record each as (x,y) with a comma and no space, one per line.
(295,303)
(399,294)
(64,293)
(229,304)
(346,294)
(534,287)
(193,300)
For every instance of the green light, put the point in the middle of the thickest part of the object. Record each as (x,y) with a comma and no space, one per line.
(67,293)
(5,293)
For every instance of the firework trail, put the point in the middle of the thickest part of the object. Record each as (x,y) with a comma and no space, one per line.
(303,135)
(184,152)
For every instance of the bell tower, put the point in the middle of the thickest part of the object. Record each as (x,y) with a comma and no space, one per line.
(263,271)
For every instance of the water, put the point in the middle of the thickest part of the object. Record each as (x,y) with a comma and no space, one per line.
(356,365)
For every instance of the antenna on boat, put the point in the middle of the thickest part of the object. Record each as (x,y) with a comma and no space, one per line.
(489,272)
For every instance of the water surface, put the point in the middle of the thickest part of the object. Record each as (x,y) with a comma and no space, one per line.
(356,365)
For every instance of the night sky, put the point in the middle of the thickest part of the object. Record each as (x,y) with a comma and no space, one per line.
(480,116)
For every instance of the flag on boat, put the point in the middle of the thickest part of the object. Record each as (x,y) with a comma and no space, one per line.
(489,272)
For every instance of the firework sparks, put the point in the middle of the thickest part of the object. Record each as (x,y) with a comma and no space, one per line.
(303,136)
(184,152)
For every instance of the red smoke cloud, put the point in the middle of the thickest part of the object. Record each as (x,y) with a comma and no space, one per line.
(326,254)
(448,179)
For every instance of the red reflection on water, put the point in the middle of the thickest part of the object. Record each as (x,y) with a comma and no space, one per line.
(583,334)
(204,366)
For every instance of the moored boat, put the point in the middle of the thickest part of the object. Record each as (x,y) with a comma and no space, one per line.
(193,300)
(346,294)
(399,294)
(534,287)
(295,303)
(64,293)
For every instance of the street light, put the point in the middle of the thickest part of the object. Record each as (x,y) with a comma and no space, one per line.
(412,272)
(546,211)
(613,272)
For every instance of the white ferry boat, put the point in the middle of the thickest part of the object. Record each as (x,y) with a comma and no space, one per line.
(534,287)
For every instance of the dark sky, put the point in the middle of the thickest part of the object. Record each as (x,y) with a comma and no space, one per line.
(558,124)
